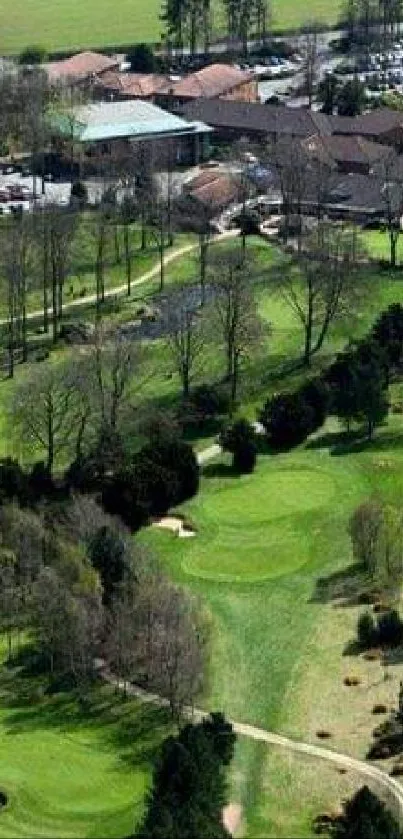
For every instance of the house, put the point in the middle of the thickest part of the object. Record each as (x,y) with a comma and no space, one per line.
(82,67)
(347,153)
(382,125)
(255,121)
(212,190)
(113,85)
(221,81)
(102,134)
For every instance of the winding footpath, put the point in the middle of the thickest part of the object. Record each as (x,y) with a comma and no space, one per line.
(117,291)
(366,770)
(384,781)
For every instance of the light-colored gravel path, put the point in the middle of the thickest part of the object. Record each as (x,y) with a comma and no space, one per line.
(366,770)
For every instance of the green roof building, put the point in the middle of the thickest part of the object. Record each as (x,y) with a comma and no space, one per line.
(103,129)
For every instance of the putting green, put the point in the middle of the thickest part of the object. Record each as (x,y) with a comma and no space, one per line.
(259,529)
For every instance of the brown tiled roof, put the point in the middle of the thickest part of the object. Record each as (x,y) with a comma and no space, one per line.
(218,193)
(347,149)
(258,118)
(81,66)
(132,84)
(373,123)
(214,80)
(203,178)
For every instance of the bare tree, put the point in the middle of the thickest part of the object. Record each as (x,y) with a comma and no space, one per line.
(310,53)
(290,161)
(44,412)
(235,309)
(186,338)
(171,641)
(326,283)
(391,176)
(59,231)
(18,262)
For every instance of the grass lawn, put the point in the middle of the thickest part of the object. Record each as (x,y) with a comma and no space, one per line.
(261,543)
(77,25)
(70,772)
(378,244)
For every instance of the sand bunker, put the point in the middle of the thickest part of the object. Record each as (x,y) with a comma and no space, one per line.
(175,525)
(231,816)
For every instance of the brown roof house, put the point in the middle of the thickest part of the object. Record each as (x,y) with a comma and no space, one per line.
(114,85)
(212,189)
(217,80)
(382,125)
(82,67)
(347,153)
(232,120)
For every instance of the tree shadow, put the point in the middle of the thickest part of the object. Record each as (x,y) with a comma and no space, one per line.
(341,443)
(352,648)
(133,730)
(343,587)
(220,470)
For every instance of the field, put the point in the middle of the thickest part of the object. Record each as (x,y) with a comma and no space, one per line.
(70,772)
(262,542)
(78,25)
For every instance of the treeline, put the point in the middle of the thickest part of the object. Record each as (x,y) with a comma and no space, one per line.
(189,788)
(72,576)
(189,23)
(372,22)
(354,387)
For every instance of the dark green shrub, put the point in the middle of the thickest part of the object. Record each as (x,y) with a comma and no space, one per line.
(240,440)
(390,628)
(366,631)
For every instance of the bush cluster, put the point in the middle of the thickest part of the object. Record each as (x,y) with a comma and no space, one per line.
(354,387)
(387,630)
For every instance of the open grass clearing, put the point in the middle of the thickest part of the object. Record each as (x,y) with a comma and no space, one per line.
(294,790)
(77,25)
(70,771)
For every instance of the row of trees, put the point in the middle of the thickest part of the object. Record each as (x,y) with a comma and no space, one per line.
(354,387)
(84,589)
(189,23)
(189,787)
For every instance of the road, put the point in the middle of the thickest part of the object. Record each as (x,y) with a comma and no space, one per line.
(122,289)
(262,735)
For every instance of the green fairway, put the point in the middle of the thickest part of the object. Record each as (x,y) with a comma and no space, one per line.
(86,23)
(70,772)
(257,528)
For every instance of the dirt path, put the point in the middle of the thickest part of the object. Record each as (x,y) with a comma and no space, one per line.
(384,781)
(122,289)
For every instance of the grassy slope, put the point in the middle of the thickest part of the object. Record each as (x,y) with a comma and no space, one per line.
(70,772)
(75,25)
(261,543)
(258,654)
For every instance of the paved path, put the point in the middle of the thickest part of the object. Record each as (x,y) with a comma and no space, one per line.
(122,289)
(384,781)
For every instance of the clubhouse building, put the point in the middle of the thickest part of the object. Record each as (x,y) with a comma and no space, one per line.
(102,134)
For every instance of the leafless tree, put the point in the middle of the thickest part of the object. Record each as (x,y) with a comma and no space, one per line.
(289,158)
(186,338)
(45,410)
(18,265)
(310,53)
(391,179)
(111,365)
(235,309)
(171,642)
(325,284)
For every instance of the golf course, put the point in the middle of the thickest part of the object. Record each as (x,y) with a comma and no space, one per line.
(79,25)
(268,555)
